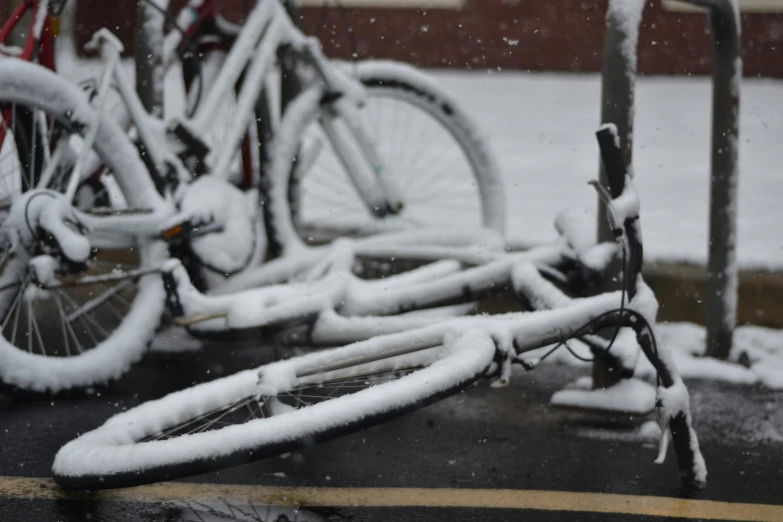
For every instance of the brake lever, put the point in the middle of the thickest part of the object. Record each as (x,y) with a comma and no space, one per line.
(606,198)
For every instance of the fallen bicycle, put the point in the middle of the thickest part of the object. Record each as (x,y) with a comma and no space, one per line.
(293,403)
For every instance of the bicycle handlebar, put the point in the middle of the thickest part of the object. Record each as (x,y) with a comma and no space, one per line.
(623,203)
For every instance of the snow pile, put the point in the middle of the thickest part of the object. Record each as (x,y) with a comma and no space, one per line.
(174,339)
(757,356)
(632,396)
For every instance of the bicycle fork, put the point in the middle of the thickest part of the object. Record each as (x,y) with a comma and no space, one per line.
(356,152)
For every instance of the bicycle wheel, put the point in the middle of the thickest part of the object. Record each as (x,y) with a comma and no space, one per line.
(438,157)
(271,410)
(69,334)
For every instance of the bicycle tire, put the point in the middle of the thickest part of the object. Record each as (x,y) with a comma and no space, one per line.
(34,86)
(411,87)
(121,454)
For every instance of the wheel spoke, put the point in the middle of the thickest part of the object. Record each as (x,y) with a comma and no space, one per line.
(33,138)
(420,152)
(66,342)
(38,332)
(17,314)
(124,301)
(181,426)
(37,149)
(217,419)
(29,327)
(112,308)
(82,317)
(17,299)
(95,302)
(295,397)
(252,407)
(68,325)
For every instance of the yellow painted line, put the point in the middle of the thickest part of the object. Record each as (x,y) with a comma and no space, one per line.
(46,489)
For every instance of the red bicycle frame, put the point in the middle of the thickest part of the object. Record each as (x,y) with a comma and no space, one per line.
(40,42)
(40,37)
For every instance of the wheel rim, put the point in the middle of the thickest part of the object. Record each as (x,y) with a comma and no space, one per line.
(68,317)
(67,320)
(252,407)
(435,175)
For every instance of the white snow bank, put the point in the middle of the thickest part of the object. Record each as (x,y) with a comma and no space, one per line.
(174,339)
(542,128)
(759,349)
(632,396)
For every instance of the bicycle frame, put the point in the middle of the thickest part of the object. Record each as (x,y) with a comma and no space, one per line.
(40,45)
(557,318)
(253,54)
(268,28)
(255,48)
(40,36)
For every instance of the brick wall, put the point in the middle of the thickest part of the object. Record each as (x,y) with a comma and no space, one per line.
(562,35)
(555,35)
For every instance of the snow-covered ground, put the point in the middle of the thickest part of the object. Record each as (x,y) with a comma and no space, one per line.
(541,127)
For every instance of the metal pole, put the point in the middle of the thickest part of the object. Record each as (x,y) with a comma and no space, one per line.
(724,173)
(290,86)
(618,80)
(149,55)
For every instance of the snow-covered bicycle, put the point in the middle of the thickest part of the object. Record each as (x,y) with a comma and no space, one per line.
(79,297)
(293,403)
(412,156)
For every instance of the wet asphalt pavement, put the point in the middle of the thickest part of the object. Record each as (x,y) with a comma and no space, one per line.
(483,438)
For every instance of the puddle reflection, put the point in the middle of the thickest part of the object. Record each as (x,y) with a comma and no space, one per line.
(216,511)
(185,511)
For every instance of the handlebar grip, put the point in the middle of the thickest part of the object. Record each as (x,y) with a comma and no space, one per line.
(612,157)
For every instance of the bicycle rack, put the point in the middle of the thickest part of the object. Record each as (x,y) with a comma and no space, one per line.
(617,101)
(148,86)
